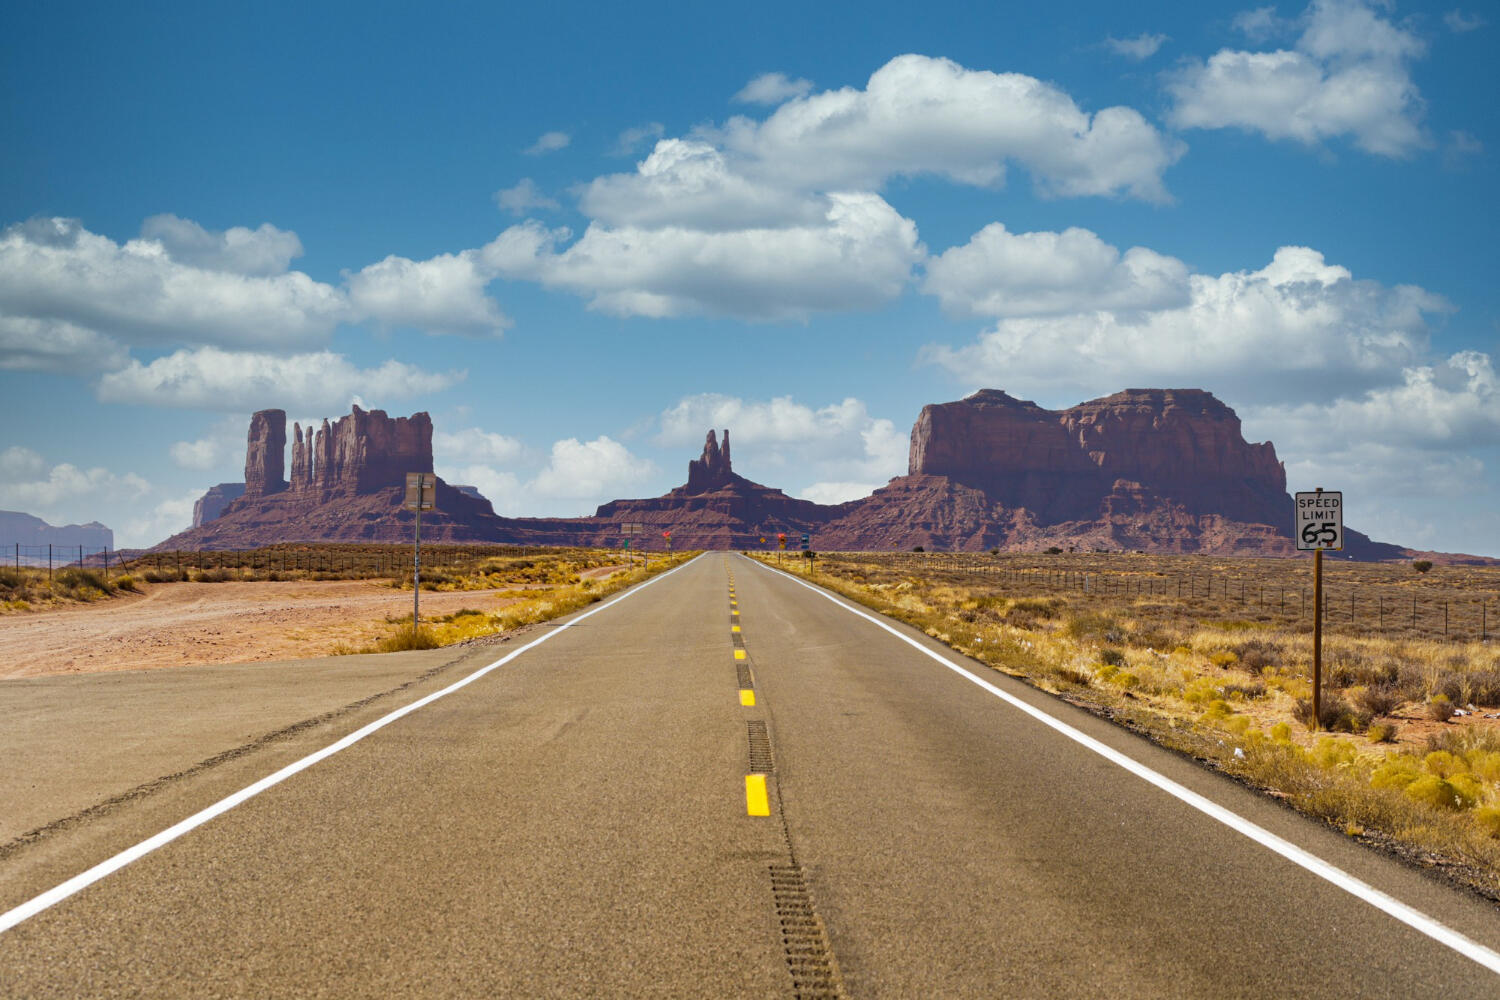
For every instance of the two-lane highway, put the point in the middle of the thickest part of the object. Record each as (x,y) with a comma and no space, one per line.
(725,784)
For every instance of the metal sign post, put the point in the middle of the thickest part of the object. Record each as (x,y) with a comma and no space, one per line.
(421,494)
(631,529)
(1319,525)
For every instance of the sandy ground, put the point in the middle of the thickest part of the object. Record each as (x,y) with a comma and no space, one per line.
(181,624)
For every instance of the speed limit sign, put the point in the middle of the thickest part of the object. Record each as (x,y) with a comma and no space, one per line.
(1320,520)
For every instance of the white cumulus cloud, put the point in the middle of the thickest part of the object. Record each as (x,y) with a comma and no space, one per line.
(920,115)
(1000,273)
(55,345)
(60,278)
(472,445)
(64,492)
(590,469)
(1297,323)
(442,294)
(690,183)
(1347,75)
(209,378)
(263,251)
(859,255)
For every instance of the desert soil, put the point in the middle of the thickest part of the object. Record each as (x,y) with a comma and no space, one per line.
(182,624)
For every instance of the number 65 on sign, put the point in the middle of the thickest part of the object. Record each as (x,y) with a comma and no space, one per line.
(1320,520)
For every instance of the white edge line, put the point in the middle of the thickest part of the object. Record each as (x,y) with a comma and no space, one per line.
(1408,915)
(83,880)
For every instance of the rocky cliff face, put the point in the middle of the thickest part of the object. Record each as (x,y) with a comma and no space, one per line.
(1182,446)
(265,453)
(211,504)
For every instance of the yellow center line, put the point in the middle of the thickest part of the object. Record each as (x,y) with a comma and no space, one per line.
(739,654)
(757,803)
(747,697)
(734,628)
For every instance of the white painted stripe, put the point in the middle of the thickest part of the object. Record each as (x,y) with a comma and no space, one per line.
(1408,915)
(77,883)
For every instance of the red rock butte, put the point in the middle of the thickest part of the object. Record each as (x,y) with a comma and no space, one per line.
(1156,470)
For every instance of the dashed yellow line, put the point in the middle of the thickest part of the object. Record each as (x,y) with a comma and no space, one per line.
(734,628)
(739,654)
(757,803)
(747,697)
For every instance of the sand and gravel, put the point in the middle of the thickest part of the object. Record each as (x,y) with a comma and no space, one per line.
(183,624)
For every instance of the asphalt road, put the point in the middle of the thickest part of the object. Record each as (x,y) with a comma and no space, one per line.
(584,820)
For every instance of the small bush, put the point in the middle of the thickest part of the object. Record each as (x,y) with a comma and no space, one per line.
(11,578)
(1375,701)
(1111,657)
(407,638)
(1248,691)
(1422,565)
(1054,551)
(1382,732)
(1223,660)
(127,583)
(1094,626)
(1335,715)
(1440,793)
(1439,708)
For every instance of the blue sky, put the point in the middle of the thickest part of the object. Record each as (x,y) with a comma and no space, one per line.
(579,236)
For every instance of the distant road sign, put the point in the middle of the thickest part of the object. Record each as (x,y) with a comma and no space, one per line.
(631,528)
(421,491)
(1319,520)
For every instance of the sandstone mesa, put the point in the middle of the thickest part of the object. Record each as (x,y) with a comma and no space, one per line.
(1155,470)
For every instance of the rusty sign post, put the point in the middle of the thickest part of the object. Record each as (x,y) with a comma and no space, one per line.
(1319,526)
(421,494)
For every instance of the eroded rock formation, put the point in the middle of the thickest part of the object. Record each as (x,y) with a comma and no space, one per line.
(712,469)
(368,450)
(265,453)
(1165,470)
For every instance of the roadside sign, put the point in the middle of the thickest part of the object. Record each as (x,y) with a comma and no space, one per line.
(1320,520)
(421,491)
(632,528)
(806,542)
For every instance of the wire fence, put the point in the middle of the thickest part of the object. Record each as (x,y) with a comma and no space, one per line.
(1356,597)
(339,559)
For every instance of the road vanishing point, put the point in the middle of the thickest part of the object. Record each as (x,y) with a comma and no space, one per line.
(724,782)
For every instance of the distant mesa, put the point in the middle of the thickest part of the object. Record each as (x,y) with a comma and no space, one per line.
(211,504)
(25,530)
(1155,470)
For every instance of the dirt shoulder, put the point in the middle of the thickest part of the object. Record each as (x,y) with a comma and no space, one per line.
(183,624)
